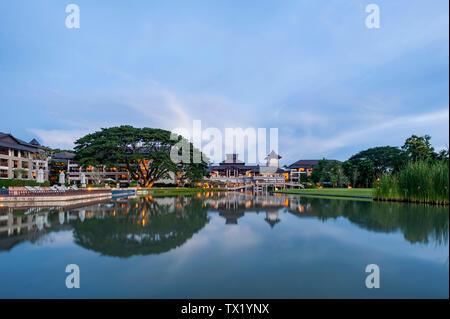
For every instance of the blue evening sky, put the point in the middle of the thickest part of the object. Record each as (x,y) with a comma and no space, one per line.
(310,68)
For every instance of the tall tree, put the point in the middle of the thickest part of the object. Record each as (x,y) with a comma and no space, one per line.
(328,171)
(365,172)
(144,152)
(418,148)
(384,158)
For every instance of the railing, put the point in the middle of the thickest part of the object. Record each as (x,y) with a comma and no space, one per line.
(3,192)
(39,193)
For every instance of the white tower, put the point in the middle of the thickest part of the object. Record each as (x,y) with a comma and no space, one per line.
(273,160)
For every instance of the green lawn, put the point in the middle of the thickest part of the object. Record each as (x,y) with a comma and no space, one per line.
(330,191)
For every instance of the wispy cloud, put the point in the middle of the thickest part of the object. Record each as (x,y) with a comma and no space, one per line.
(59,138)
(377,133)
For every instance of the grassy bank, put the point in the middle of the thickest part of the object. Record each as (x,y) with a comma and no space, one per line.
(341,192)
(420,182)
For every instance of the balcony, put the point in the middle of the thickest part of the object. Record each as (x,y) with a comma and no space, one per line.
(4,152)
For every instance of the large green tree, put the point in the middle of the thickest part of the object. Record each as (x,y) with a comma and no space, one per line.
(144,152)
(383,158)
(328,171)
(365,172)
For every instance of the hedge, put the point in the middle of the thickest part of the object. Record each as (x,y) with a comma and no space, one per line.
(5,183)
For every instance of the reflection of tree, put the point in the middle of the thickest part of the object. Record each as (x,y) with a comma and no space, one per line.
(418,223)
(128,234)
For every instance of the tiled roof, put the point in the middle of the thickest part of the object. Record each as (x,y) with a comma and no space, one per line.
(63,156)
(9,141)
(307,163)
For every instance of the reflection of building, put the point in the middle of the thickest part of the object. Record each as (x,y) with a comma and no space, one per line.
(272,217)
(21,160)
(231,216)
(11,225)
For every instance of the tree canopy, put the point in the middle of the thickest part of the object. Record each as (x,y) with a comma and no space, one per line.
(144,152)
(418,148)
(383,158)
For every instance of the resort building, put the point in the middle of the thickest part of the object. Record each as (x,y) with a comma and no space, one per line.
(233,167)
(302,168)
(65,162)
(22,160)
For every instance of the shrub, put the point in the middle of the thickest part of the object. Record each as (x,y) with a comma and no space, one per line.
(5,183)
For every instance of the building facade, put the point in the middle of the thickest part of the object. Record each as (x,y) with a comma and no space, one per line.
(299,168)
(302,168)
(232,167)
(22,160)
(65,162)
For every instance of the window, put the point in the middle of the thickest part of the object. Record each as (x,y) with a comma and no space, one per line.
(3,174)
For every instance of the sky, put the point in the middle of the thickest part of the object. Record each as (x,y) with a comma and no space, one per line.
(312,69)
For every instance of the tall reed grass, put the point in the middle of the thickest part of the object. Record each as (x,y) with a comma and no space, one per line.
(420,182)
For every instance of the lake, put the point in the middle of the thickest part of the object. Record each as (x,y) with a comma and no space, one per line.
(225,245)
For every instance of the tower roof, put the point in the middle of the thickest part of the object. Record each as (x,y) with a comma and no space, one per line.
(272,154)
(35,142)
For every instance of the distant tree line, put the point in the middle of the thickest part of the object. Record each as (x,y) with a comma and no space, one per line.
(363,168)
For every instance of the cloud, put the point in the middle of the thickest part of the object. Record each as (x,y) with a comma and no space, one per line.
(380,132)
(59,138)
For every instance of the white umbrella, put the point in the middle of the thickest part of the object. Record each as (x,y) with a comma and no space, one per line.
(62,178)
(83,179)
(61,218)
(40,176)
(82,215)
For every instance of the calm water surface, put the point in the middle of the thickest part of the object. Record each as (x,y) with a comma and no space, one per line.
(225,246)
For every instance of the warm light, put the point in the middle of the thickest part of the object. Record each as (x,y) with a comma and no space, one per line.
(349,187)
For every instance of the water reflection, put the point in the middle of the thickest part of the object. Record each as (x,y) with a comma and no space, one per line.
(154,225)
(418,223)
(142,226)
